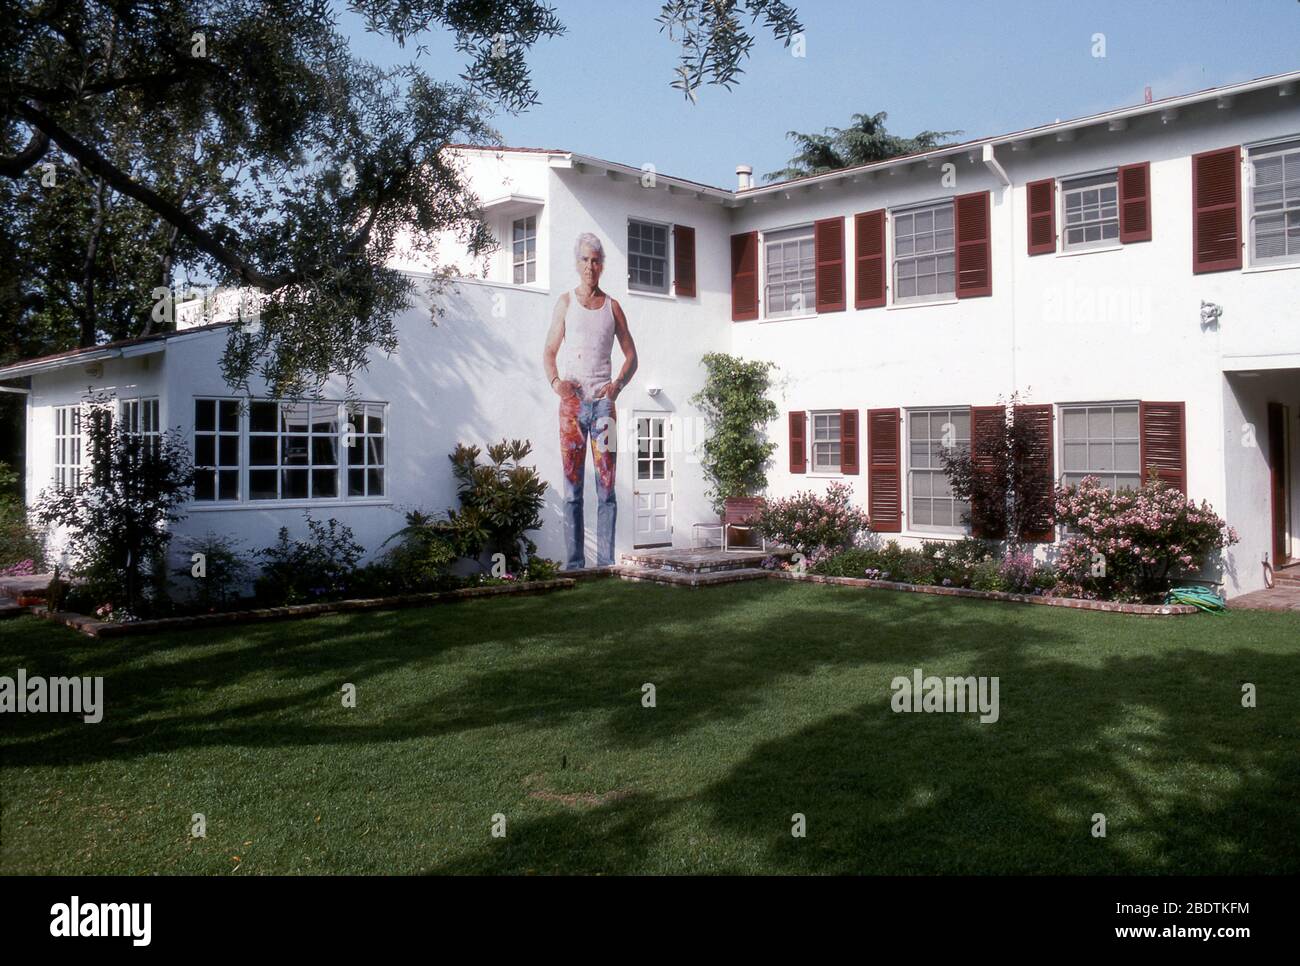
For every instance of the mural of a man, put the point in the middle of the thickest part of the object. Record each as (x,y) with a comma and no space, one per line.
(577,360)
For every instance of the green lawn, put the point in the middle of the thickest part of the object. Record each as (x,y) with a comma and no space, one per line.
(773,698)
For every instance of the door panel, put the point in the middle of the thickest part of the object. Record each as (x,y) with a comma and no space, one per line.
(652,490)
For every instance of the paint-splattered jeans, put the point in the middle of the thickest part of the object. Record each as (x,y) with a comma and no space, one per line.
(580,419)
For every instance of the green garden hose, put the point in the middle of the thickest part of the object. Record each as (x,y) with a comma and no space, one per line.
(1199,597)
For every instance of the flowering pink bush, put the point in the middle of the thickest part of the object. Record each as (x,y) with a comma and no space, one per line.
(23,568)
(1017,571)
(816,526)
(1128,545)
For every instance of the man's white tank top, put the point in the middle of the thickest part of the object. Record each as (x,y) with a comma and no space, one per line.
(588,341)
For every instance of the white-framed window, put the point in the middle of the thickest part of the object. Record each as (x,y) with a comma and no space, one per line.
(140,419)
(523,250)
(647,256)
(216,449)
(1090,211)
(789,272)
(365,440)
(67,447)
(1101,439)
(925,258)
(1275,203)
(930,434)
(826,441)
(293,450)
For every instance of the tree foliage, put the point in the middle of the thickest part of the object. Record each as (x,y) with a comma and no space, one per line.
(735,405)
(862,142)
(243,142)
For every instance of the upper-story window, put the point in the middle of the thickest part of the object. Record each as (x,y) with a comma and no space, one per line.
(826,452)
(1090,207)
(647,256)
(1101,441)
(789,272)
(924,256)
(67,447)
(1275,203)
(523,233)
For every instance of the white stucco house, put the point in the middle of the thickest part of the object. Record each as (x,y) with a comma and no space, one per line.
(1135,275)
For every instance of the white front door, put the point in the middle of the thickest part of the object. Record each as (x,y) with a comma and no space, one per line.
(652,492)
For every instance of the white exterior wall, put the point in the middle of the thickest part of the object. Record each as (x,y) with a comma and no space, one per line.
(1103,326)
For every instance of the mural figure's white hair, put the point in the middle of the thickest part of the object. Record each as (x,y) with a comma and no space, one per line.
(588,240)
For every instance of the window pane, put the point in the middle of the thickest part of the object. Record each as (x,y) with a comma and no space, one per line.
(229,484)
(205,414)
(228,450)
(261,484)
(324,484)
(293,484)
(262,417)
(229,414)
(376,482)
(356,482)
(205,451)
(205,485)
(263,450)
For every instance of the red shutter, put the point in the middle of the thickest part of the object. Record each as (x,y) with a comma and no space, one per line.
(849,442)
(884,476)
(974,264)
(1163,443)
(1135,203)
(744,277)
(1216,210)
(828,244)
(988,428)
(869,259)
(684,260)
(1041,476)
(798,442)
(1041,196)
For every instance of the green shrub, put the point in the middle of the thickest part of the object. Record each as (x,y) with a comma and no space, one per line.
(217,579)
(322,567)
(424,554)
(987,575)
(500,502)
(734,403)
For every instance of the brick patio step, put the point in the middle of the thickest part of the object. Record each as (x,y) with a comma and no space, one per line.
(710,560)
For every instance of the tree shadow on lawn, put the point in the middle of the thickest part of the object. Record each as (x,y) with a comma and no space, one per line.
(712,664)
(1189,781)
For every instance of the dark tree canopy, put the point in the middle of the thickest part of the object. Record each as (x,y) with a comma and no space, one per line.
(862,142)
(243,143)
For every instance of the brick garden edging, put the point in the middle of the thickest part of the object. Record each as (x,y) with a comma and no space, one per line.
(1112,607)
(97,629)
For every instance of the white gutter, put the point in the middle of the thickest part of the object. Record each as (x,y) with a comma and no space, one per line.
(80,359)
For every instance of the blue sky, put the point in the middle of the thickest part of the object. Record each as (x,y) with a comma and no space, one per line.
(980,67)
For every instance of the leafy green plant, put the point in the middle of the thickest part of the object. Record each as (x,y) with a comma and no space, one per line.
(425,551)
(321,567)
(500,502)
(217,578)
(118,521)
(20,542)
(734,403)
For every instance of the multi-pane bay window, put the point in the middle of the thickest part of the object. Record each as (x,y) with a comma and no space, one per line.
(647,256)
(1101,441)
(826,443)
(524,249)
(216,449)
(1275,203)
(289,450)
(67,447)
(1091,211)
(790,272)
(140,419)
(924,255)
(932,433)
(364,440)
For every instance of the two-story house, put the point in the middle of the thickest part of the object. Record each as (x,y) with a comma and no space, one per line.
(1134,276)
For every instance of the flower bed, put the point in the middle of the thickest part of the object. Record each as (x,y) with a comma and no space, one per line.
(98,629)
(1112,607)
